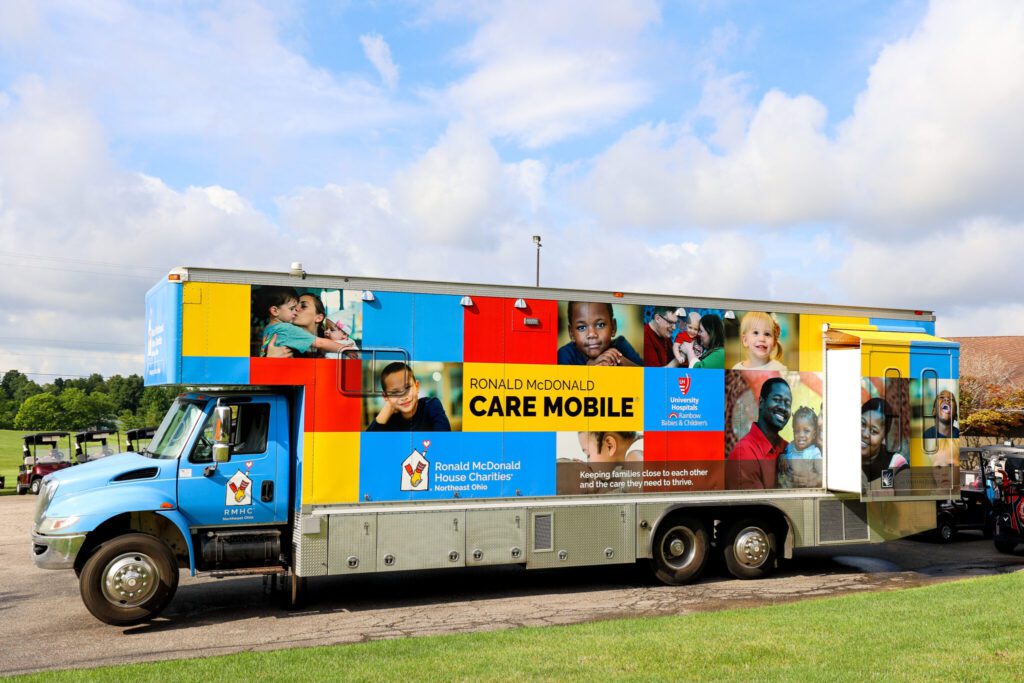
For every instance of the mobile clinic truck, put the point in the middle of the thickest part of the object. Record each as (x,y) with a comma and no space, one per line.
(443,425)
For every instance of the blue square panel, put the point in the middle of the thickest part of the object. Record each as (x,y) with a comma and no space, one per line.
(682,399)
(214,370)
(388,322)
(438,328)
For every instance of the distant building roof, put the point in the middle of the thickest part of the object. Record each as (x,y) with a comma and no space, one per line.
(1009,349)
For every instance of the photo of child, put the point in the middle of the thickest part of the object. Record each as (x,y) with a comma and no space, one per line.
(281,306)
(404,409)
(689,332)
(799,466)
(761,340)
(612,446)
(599,462)
(593,335)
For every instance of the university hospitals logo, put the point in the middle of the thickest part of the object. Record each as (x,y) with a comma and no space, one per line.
(416,470)
(684,385)
(239,488)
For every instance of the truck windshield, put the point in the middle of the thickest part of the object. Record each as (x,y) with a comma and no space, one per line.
(174,431)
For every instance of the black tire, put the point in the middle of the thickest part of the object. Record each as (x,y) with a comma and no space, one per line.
(35,486)
(680,550)
(129,579)
(22,490)
(749,549)
(945,531)
(1005,546)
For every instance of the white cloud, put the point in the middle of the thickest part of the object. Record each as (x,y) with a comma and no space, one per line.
(224,72)
(546,71)
(974,261)
(450,210)
(83,240)
(935,133)
(378,52)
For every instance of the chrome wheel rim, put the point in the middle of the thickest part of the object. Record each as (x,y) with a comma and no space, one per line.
(679,547)
(130,579)
(751,547)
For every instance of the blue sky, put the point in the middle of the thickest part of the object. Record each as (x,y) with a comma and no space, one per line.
(862,153)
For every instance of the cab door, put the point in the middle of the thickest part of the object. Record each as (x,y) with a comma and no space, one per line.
(252,487)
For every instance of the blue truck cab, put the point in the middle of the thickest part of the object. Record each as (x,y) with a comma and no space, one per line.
(127,523)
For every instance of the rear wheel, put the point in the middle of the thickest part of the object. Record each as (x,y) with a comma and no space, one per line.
(22,490)
(749,549)
(129,579)
(680,550)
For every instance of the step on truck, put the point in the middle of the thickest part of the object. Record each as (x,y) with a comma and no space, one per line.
(343,425)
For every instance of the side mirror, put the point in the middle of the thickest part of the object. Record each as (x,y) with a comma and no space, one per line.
(222,425)
(221,438)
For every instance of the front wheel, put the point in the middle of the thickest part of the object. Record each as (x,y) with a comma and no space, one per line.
(749,549)
(680,550)
(34,487)
(129,579)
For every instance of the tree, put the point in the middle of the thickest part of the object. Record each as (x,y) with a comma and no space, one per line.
(8,411)
(41,412)
(982,377)
(125,392)
(154,405)
(85,411)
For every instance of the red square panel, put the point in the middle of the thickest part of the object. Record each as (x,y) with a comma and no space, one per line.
(679,446)
(335,411)
(533,337)
(484,340)
(287,372)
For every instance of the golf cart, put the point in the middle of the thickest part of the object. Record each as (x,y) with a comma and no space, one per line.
(1010,506)
(41,454)
(95,444)
(973,510)
(139,438)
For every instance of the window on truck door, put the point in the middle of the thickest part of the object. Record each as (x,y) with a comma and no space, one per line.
(250,422)
(929,387)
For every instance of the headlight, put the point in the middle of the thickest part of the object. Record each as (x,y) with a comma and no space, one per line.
(50,524)
(45,496)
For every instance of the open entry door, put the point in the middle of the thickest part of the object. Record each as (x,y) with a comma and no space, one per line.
(842,435)
(892,429)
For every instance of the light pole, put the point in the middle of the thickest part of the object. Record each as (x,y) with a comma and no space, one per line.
(536,240)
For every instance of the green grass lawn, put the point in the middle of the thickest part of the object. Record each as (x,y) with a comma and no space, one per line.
(10,458)
(969,630)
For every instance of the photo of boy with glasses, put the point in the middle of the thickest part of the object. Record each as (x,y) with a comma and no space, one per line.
(404,410)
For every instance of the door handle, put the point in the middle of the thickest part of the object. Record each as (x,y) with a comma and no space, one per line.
(267,491)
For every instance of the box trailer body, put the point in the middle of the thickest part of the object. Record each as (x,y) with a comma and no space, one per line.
(458,425)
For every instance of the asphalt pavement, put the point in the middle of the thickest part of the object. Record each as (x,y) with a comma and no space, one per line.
(44,625)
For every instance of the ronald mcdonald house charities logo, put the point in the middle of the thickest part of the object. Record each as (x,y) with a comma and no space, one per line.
(416,470)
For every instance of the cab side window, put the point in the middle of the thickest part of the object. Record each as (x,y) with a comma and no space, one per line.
(250,422)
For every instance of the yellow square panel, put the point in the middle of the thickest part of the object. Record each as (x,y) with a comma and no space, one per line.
(811,338)
(215,319)
(876,360)
(551,398)
(330,468)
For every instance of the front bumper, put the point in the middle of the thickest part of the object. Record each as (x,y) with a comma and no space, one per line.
(56,552)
